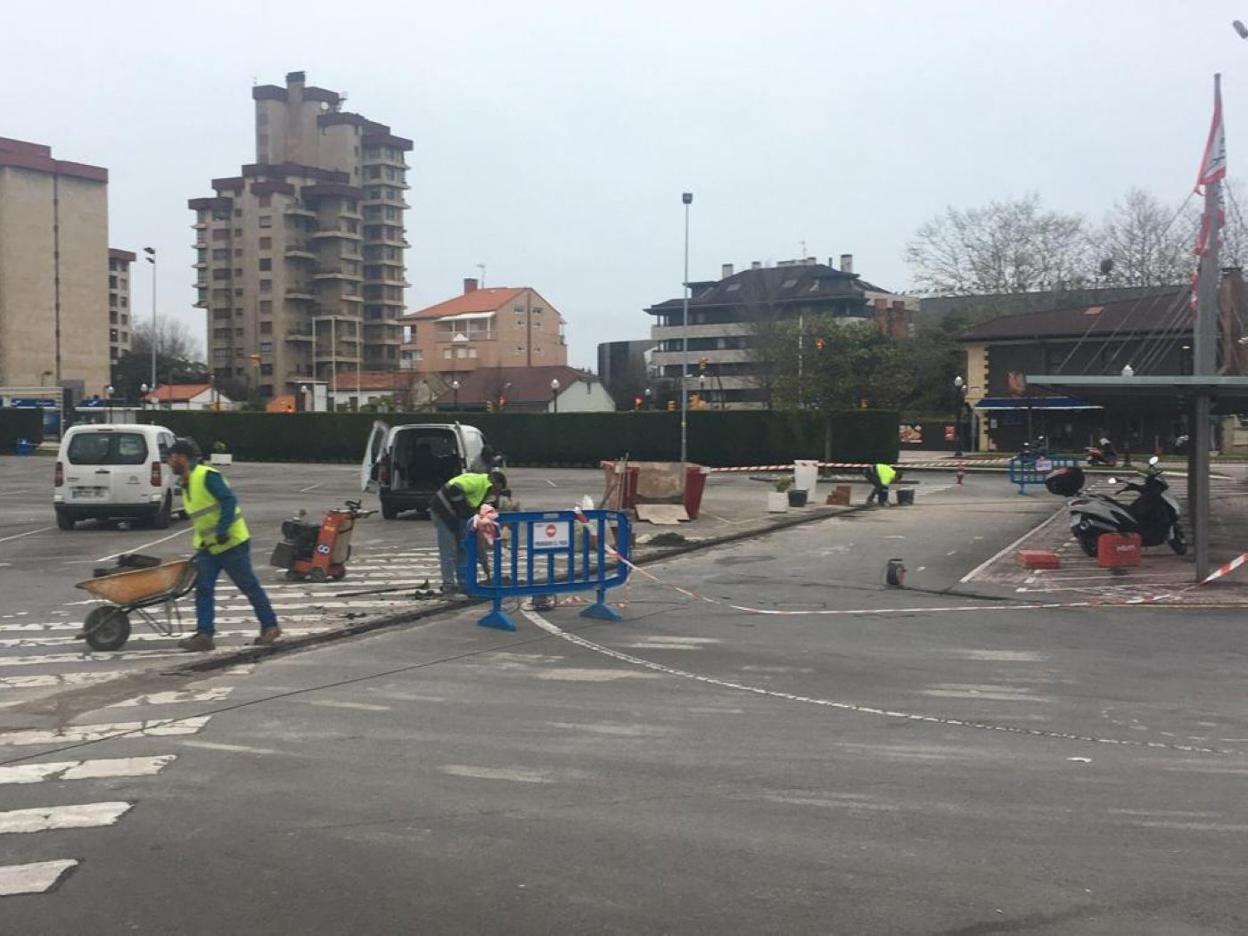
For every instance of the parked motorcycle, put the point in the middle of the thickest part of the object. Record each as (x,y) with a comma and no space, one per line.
(1102,454)
(1153,514)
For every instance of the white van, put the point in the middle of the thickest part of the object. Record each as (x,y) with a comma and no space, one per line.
(114,472)
(405,465)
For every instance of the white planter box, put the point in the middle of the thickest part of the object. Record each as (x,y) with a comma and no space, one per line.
(777,502)
(217,458)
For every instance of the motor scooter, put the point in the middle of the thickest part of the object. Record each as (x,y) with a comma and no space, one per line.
(1102,454)
(1154,514)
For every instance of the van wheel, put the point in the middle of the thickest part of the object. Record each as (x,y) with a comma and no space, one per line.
(388,512)
(160,520)
(63,519)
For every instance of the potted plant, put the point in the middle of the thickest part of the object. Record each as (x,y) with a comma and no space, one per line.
(778,500)
(220,454)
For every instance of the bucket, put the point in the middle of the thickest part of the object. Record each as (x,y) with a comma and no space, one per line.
(797,497)
(805,474)
(905,497)
(895,573)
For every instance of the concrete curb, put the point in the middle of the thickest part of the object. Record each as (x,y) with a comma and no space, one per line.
(251,654)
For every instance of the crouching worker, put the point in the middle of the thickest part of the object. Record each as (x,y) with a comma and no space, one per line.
(880,476)
(222,542)
(451,509)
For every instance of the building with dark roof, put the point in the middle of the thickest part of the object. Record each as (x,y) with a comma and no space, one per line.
(538,389)
(725,316)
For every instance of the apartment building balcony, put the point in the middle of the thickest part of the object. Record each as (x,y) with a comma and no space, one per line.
(338,274)
(300,252)
(719,330)
(294,212)
(200,226)
(335,233)
(300,293)
(712,357)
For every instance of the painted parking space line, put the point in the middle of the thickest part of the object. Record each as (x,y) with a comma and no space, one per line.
(36,878)
(27,533)
(160,727)
(143,546)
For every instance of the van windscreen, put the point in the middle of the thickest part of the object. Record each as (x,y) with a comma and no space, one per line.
(107,448)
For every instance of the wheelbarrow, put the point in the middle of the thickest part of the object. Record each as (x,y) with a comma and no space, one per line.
(135,591)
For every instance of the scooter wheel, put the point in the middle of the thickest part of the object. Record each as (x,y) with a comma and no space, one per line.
(1178,543)
(1088,543)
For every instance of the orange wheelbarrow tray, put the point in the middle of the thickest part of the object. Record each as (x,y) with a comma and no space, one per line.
(134,591)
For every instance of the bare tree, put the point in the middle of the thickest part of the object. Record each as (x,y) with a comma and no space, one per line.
(173,339)
(1149,242)
(1004,247)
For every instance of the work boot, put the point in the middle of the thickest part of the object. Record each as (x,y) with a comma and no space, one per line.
(198,641)
(268,636)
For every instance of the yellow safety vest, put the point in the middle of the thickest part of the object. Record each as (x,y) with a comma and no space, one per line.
(886,474)
(204,512)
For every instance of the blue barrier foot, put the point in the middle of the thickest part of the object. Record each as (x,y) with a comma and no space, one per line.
(497,620)
(602,611)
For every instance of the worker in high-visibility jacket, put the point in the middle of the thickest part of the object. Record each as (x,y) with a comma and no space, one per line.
(451,509)
(222,543)
(881,476)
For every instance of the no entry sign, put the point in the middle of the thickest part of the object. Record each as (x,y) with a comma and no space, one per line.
(551,534)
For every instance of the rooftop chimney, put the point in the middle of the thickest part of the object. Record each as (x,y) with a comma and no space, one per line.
(294,78)
(811,261)
(756,264)
(470,284)
(725,271)
(847,263)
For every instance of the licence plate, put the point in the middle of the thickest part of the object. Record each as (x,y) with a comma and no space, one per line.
(89,491)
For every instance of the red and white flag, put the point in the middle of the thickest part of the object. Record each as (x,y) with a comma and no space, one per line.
(1213,163)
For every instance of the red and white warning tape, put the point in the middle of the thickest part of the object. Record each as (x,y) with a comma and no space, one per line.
(1226,569)
(951,464)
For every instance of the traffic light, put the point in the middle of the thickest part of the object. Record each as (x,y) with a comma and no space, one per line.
(255,359)
(819,344)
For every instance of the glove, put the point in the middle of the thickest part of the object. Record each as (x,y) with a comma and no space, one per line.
(222,538)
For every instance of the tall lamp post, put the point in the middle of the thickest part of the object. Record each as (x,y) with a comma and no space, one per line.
(143,390)
(455,393)
(649,394)
(959,389)
(554,393)
(108,403)
(687,199)
(150,257)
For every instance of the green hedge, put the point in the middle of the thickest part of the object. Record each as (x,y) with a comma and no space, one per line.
(724,438)
(20,424)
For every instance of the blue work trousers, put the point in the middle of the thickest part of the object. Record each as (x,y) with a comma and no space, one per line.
(451,553)
(236,563)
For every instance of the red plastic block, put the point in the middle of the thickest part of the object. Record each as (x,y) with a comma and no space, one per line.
(1118,550)
(1039,559)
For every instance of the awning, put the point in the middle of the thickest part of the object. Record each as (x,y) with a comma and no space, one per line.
(1064,404)
(467,317)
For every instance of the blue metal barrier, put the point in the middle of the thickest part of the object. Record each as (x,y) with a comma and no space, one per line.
(1032,469)
(544,558)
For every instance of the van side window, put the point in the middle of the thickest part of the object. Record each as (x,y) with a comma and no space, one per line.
(164,442)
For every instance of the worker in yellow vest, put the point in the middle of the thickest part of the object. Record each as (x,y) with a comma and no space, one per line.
(881,476)
(451,508)
(222,542)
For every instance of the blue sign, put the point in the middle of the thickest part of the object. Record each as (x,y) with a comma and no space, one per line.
(550,553)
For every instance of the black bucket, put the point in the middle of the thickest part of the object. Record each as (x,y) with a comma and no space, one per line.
(905,497)
(797,498)
(895,573)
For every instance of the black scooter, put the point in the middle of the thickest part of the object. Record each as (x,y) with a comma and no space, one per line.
(1154,514)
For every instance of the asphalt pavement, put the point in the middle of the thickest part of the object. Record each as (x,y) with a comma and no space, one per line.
(785,745)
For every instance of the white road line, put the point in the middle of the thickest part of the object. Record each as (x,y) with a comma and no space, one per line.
(177,697)
(46,818)
(45,680)
(36,878)
(27,533)
(87,769)
(146,638)
(310,487)
(1014,545)
(362,706)
(236,748)
(140,548)
(160,727)
(52,659)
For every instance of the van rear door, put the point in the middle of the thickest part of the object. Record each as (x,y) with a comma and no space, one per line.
(106,466)
(373,452)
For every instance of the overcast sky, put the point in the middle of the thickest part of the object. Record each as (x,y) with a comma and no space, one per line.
(553,140)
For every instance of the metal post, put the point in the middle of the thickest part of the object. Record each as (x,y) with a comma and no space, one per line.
(687,198)
(153,257)
(333,361)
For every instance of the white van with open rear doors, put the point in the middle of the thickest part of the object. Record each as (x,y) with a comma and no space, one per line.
(115,472)
(405,465)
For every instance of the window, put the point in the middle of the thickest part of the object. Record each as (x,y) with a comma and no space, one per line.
(266,265)
(220,333)
(266,221)
(238,291)
(238,232)
(220,274)
(266,370)
(446,354)
(238,271)
(238,212)
(221,253)
(238,251)
(373,172)
(220,234)
(112,282)
(266,328)
(266,285)
(238,333)
(221,354)
(733,287)
(788,284)
(266,347)
(221,315)
(107,448)
(266,306)
(266,243)
(266,201)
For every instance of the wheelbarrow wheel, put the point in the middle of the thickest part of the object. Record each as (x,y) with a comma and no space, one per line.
(107,628)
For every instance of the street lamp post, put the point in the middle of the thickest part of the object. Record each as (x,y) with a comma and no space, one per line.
(959,388)
(303,397)
(455,393)
(151,258)
(143,391)
(108,403)
(687,199)
(649,394)
(554,393)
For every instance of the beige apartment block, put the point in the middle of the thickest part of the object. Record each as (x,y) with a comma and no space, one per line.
(300,257)
(120,333)
(53,269)
(502,326)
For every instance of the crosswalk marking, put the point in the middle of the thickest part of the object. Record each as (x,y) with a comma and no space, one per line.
(36,878)
(87,769)
(158,727)
(78,816)
(177,697)
(43,680)
(148,638)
